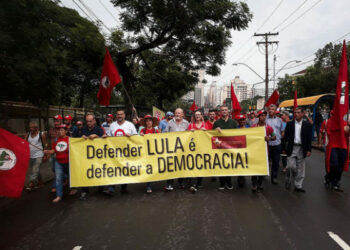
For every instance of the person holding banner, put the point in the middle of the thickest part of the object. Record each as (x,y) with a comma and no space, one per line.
(197,124)
(120,127)
(212,119)
(149,123)
(257,181)
(225,122)
(90,131)
(175,125)
(61,149)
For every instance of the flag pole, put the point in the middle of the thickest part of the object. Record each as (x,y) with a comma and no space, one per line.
(127,94)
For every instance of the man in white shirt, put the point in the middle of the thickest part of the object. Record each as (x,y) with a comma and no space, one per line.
(297,146)
(120,127)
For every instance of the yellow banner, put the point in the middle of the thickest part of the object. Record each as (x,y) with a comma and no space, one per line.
(156,157)
(158,113)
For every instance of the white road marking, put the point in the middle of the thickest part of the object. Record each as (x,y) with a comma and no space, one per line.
(77,247)
(339,241)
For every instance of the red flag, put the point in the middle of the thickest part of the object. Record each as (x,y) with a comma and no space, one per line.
(109,78)
(236,108)
(193,107)
(14,159)
(273,98)
(295,100)
(295,105)
(335,127)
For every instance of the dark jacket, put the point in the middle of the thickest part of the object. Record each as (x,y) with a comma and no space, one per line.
(306,137)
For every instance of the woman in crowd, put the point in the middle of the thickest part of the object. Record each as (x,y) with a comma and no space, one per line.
(149,123)
(60,148)
(197,124)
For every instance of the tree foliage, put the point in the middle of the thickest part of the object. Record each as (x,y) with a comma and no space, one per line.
(168,41)
(49,54)
(318,79)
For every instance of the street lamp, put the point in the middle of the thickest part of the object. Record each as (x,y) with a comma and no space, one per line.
(235,64)
(296,61)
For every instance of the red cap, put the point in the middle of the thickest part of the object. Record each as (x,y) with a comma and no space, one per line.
(147,117)
(277,112)
(110,115)
(68,117)
(260,112)
(239,117)
(57,117)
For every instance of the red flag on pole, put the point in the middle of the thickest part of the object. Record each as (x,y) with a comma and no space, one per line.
(109,78)
(236,107)
(295,100)
(273,98)
(335,125)
(193,107)
(14,159)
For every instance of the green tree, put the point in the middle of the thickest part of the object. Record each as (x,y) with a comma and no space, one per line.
(168,41)
(49,54)
(319,79)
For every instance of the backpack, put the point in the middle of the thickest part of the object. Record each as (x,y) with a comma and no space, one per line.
(40,138)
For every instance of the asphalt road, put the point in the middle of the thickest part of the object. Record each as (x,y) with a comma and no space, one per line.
(209,219)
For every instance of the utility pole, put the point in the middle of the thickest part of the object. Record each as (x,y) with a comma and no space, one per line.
(274,71)
(267,43)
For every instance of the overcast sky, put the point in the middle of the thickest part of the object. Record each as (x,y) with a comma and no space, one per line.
(318,22)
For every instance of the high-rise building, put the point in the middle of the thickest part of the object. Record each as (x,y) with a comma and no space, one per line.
(198,94)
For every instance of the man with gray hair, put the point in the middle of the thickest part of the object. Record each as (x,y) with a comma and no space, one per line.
(37,144)
(178,123)
(274,146)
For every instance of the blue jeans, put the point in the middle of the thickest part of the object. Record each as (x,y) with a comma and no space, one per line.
(61,170)
(274,155)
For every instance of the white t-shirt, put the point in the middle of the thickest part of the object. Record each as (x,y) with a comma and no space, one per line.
(35,146)
(120,130)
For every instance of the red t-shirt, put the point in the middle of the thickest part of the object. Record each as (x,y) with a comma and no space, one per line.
(150,131)
(268,128)
(61,149)
(210,125)
(193,126)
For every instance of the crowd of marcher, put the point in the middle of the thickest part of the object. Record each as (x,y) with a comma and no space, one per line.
(288,137)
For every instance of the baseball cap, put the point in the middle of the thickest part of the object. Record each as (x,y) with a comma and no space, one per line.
(239,117)
(169,114)
(260,112)
(110,115)
(57,117)
(68,117)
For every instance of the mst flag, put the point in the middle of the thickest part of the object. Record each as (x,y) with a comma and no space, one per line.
(14,158)
(109,78)
(236,108)
(273,98)
(335,127)
(193,107)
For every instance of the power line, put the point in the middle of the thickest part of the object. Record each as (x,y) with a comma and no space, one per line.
(246,42)
(268,18)
(290,15)
(300,16)
(108,11)
(83,11)
(93,14)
